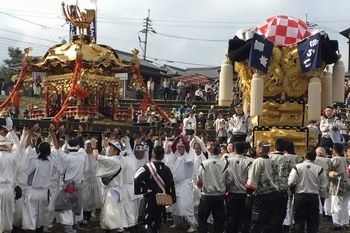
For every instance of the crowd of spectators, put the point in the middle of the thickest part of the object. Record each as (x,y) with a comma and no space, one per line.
(180,90)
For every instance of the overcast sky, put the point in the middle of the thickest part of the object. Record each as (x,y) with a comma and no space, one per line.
(188,33)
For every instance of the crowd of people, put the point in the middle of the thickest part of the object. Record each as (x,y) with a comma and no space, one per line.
(219,183)
(224,187)
(169,89)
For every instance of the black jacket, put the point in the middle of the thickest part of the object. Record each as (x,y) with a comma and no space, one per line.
(145,184)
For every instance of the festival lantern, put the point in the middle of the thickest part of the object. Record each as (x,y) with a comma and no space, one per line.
(338,82)
(326,86)
(226,83)
(314,96)
(256,94)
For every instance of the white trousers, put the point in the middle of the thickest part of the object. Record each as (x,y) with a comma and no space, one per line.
(7,207)
(328,206)
(289,215)
(67,217)
(340,213)
(35,209)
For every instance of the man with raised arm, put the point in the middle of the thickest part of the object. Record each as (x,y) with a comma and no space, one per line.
(109,168)
(69,200)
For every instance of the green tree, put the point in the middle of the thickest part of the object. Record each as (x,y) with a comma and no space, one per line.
(12,65)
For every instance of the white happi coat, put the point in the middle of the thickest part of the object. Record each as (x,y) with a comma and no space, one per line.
(91,189)
(112,211)
(8,161)
(182,168)
(36,199)
(131,201)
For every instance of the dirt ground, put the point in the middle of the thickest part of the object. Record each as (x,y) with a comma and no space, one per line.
(93,227)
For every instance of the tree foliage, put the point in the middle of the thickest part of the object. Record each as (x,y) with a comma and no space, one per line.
(12,65)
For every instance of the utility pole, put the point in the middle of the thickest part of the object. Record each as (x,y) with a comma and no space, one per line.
(147,27)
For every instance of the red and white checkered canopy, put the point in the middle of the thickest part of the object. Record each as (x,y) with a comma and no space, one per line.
(283,30)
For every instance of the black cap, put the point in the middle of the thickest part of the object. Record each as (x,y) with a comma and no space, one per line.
(73,142)
(73,145)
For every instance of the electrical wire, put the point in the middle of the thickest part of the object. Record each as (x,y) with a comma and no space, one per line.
(189,38)
(160,26)
(34,37)
(179,62)
(25,20)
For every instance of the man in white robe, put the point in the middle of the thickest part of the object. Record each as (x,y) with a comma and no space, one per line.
(39,168)
(109,168)
(201,153)
(132,162)
(181,165)
(8,164)
(69,199)
(8,161)
(21,177)
(92,193)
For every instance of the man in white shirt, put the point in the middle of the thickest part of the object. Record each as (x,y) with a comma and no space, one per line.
(221,127)
(150,87)
(181,90)
(198,95)
(238,219)
(329,127)
(212,179)
(239,125)
(208,91)
(190,123)
(307,180)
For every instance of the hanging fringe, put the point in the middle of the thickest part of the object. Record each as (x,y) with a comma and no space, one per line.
(75,89)
(15,91)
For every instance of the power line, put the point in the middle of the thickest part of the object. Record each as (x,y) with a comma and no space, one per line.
(168,22)
(25,20)
(190,38)
(179,62)
(35,37)
(18,41)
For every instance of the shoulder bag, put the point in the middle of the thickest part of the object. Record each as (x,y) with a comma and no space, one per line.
(163,198)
